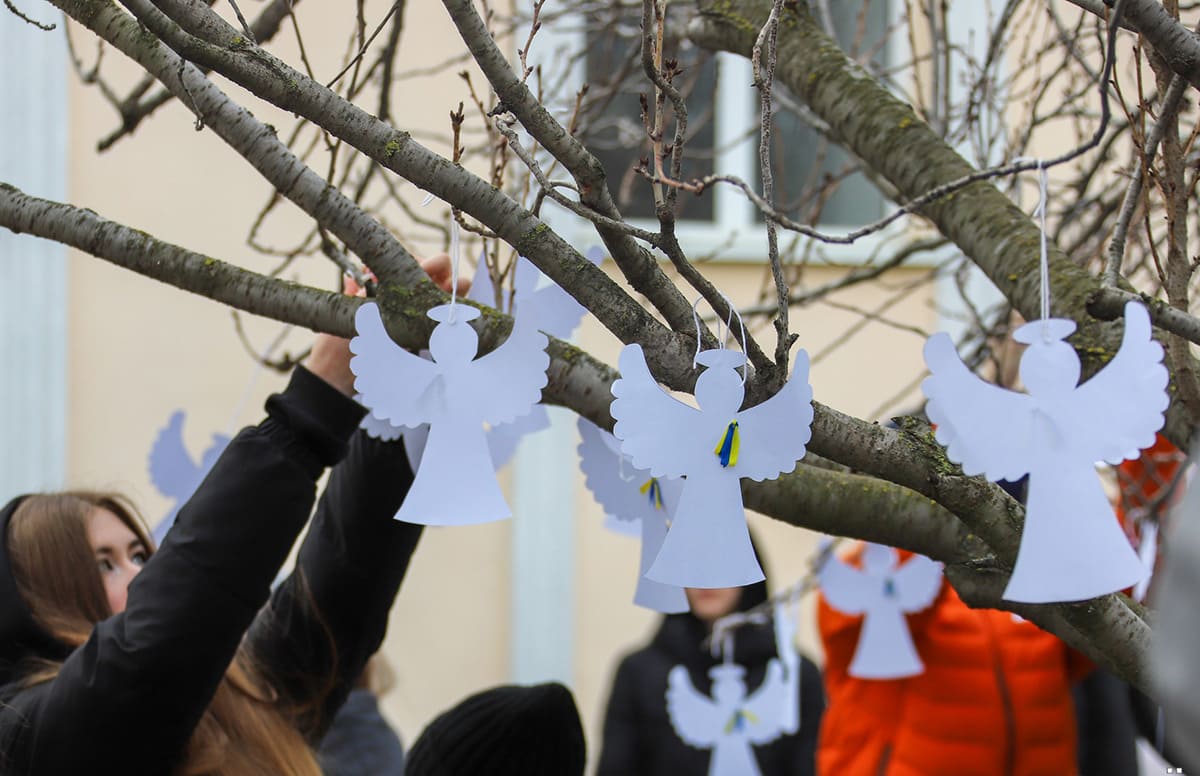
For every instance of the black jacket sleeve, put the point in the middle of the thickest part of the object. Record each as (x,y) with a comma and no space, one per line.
(135,690)
(621,750)
(330,615)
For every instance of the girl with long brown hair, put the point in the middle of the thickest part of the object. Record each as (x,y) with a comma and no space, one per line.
(117,657)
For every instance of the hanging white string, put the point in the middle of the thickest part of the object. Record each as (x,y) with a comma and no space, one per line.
(696,320)
(455,251)
(723,335)
(762,613)
(729,331)
(1043,258)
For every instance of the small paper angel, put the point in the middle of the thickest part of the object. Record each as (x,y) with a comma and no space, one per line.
(173,472)
(632,496)
(729,722)
(1072,547)
(883,593)
(554,312)
(714,446)
(455,394)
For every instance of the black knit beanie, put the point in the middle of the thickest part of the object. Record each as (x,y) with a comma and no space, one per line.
(530,731)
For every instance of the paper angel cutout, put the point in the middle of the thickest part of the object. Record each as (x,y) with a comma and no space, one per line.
(729,722)
(554,312)
(632,496)
(714,446)
(173,472)
(883,594)
(455,394)
(1072,547)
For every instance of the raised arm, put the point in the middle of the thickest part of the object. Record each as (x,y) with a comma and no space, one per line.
(330,615)
(156,665)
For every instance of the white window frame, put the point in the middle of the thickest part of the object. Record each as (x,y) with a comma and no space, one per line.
(733,231)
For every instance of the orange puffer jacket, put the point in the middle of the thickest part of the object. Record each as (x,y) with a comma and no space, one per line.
(994,698)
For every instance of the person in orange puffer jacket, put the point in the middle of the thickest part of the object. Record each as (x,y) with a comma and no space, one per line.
(994,698)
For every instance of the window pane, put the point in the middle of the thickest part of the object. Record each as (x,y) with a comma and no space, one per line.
(811,173)
(613,127)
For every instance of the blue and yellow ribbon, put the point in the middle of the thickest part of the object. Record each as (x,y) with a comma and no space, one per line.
(727,448)
(653,491)
(739,720)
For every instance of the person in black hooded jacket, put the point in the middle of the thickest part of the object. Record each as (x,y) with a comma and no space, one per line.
(183,670)
(638,737)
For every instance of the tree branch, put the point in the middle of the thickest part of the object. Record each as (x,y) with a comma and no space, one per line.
(274,81)
(885,132)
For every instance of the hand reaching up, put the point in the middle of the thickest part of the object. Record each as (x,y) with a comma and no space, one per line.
(330,357)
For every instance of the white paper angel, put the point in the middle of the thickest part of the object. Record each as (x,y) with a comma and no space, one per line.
(632,496)
(172,470)
(729,723)
(883,593)
(553,311)
(714,446)
(1072,547)
(455,394)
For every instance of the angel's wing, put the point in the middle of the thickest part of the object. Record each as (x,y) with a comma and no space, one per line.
(556,312)
(767,708)
(657,431)
(985,428)
(696,719)
(917,583)
(774,433)
(622,490)
(846,588)
(172,471)
(215,448)
(377,428)
(389,379)
(1129,394)
(512,376)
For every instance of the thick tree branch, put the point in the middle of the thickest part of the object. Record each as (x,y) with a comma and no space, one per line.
(274,81)
(256,142)
(885,132)
(134,109)
(996,235)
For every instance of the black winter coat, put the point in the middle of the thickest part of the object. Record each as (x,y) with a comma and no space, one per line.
(129,698)
(638,737)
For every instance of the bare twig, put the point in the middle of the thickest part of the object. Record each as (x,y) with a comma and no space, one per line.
(17,12)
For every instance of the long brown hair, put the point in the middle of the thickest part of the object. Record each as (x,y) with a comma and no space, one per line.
(244,732)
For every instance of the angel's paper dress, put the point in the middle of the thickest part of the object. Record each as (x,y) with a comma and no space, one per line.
(883,594)
(455,394)
(632,495)
(714,446)
(728,723)
(1072,547)
(174,473)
